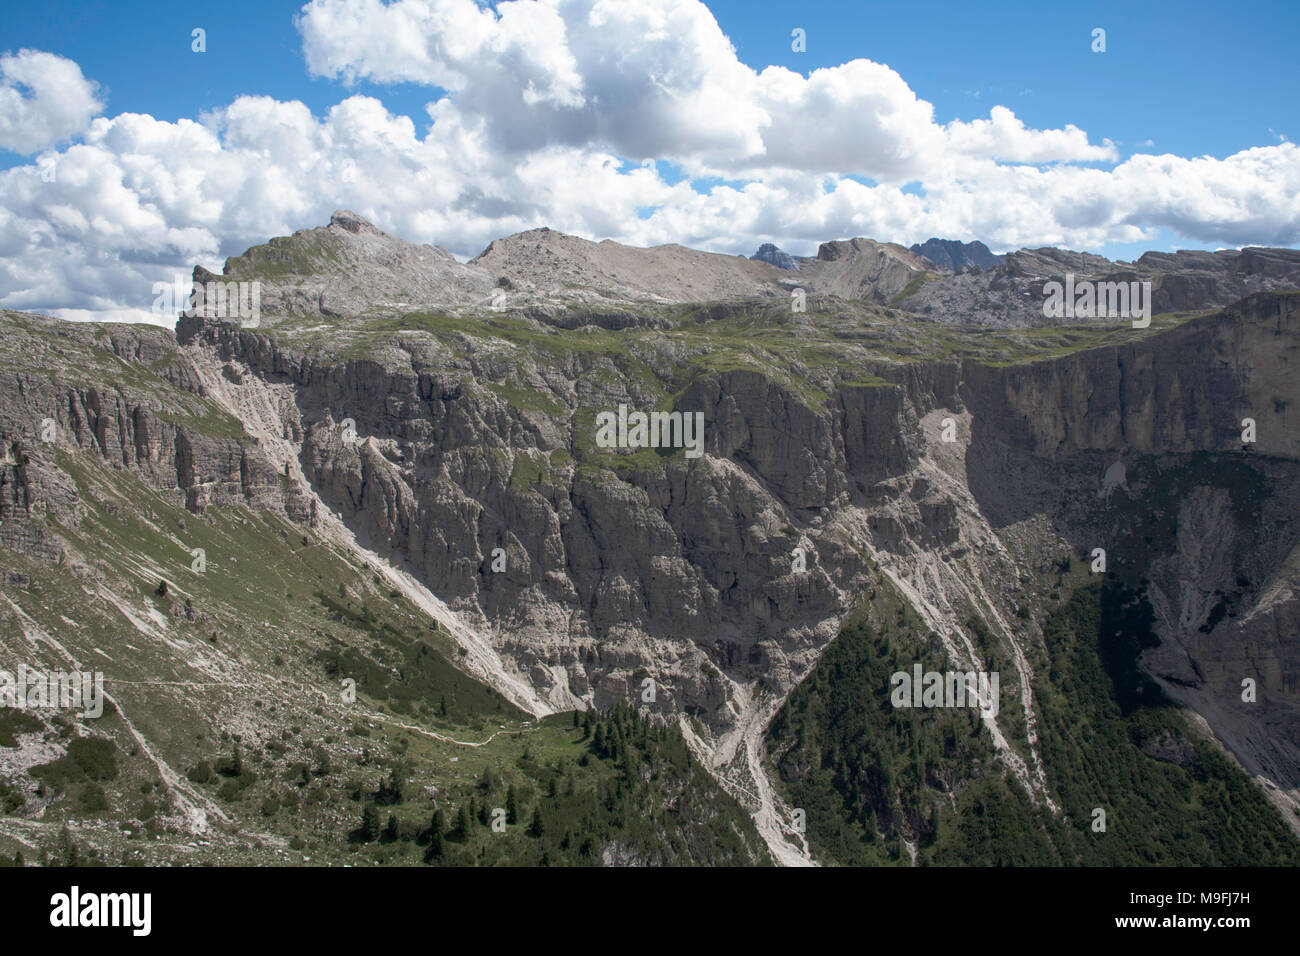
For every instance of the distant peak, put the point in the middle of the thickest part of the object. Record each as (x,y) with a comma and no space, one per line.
(848,248)
(768,252)
(956,256)
(346,219)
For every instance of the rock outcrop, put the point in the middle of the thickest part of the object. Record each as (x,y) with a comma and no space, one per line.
(953,255)
(768,252)
(463,449)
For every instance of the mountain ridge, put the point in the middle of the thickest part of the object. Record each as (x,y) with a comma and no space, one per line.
(447,456)
(351,268)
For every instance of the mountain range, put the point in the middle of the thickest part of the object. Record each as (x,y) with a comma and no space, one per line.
(358,572)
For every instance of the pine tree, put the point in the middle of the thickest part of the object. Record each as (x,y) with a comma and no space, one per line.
(512,806)
(537,828)
(390,829)
(369,823)
(462,823)
(67,847)
(435,848)
(393,791)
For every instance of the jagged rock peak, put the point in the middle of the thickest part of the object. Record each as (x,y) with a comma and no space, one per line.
(346,219)
(854,248)
(768,252)
(954,255)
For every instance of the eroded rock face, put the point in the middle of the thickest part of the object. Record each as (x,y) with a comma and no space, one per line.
(1139,450)
(345,269)
(662,563)
(952,255)
(1012,294)
(155,425)
(1186,391)
(469,458)
(655,568)
(863,268)
(768,252)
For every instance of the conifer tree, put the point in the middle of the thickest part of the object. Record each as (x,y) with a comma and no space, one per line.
(538,827)
(435,850)
(369,823)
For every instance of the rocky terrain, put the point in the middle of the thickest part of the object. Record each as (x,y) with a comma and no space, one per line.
(1011,295)
(426,430)
(952,255)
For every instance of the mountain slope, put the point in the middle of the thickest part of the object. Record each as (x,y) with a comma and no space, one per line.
(158,541)
(446,461)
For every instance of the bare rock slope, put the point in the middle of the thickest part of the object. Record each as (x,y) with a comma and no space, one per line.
(853,445)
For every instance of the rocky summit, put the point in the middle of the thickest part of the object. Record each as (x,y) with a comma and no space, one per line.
(627,543)
(954,255)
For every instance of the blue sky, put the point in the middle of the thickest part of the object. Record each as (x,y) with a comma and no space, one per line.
(1167,69)
(1193,77)
(1184,81)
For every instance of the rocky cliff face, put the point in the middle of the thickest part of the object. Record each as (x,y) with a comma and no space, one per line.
(954,255)
(445,471)
(1139,450)
(841,446)
(768,252)
(138,407)
(1012,294)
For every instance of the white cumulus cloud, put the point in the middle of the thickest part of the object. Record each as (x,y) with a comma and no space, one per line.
(44,99)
